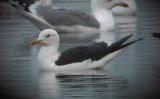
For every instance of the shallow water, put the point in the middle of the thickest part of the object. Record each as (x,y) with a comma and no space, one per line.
(135,74)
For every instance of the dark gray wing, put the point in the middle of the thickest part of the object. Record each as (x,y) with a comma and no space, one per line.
(95,51)
(81,53)
(66,17)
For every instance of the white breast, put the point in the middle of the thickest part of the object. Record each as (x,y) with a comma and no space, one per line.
(106,19)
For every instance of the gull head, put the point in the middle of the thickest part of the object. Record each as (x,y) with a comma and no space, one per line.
(110,4)
(47,37)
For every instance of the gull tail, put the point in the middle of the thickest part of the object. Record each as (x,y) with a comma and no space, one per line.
(119,44)
(121,41)
(130,43)
(116,48)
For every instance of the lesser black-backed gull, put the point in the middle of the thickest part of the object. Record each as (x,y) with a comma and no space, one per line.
(92,56)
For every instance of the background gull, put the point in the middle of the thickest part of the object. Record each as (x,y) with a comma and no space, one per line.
(65,20)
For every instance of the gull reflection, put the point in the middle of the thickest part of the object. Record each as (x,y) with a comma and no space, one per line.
(48,84)
(77,83)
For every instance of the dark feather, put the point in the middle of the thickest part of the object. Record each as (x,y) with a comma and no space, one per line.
(94,52)
(23,3)
(81,53)
(156,35)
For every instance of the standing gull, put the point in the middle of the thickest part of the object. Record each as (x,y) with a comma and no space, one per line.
(63,20)
(77,58)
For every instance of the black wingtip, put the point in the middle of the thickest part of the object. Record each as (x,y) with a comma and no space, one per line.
(116,48)
(156,35)
(121,41)
(16,5)
(130,43)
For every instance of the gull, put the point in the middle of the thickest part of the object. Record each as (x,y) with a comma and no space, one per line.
(101,21)
(89,57)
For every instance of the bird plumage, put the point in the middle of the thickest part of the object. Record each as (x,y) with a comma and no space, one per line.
(94,52)
(92,56)
(66,17)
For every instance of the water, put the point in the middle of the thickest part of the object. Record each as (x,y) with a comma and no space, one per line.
(132,75)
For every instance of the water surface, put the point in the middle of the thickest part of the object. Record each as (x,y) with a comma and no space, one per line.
(135,74)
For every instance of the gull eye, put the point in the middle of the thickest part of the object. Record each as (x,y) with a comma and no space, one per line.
(47,36)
